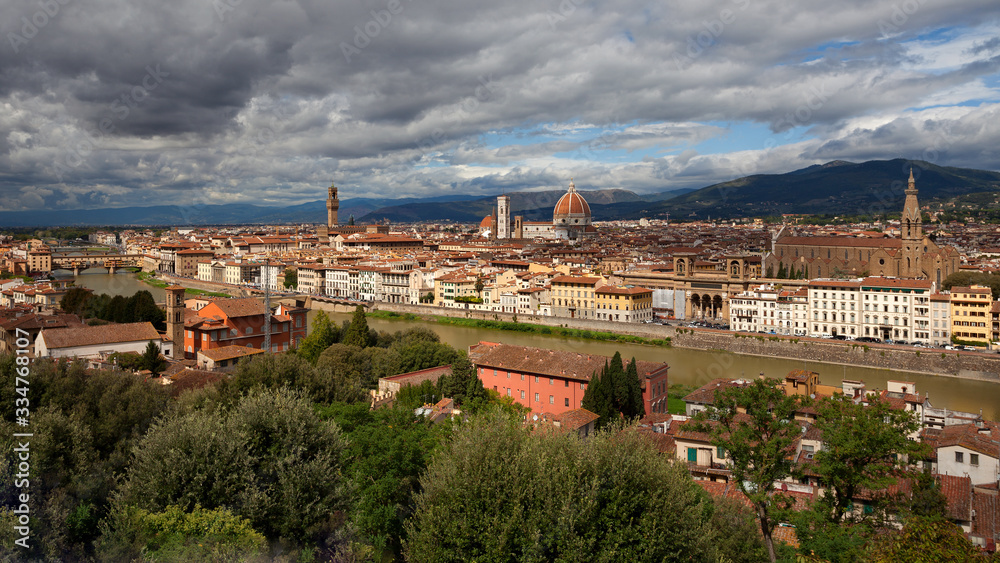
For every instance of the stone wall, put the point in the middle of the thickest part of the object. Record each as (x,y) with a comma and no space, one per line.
(634,329)
(981,366)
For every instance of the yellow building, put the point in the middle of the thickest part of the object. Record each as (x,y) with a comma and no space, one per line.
(970,313)
(452,285)
(574,296)
(626,304)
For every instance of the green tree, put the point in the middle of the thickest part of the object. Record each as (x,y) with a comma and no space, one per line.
(151,359)
(388,450)
(864,447)
(342,373)
(496,492)
(632,406)
(322,335)
(782,272)
(755,426)
(270,459)
(412,396)
(291,278)
(924,540)
(75,300)
(927,500)
(357,333)
(177,535)
(769,273)
(598,397)
(615,393)
(350,220)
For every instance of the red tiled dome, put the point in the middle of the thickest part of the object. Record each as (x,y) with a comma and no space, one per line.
(487,222)
(572,205)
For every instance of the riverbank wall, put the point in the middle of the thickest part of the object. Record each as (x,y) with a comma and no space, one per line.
(934,361)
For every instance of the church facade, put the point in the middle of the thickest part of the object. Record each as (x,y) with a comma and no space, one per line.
(911,256)
(571,220)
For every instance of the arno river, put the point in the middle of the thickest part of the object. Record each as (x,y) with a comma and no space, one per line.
(690,367)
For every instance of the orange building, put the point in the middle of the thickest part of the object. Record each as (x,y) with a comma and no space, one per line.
(240,322)
(553,381)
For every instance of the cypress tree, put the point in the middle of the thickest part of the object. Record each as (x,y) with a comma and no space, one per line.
(357,333)
(634,407)
(617,383)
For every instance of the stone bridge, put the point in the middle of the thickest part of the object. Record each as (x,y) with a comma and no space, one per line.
(82,261)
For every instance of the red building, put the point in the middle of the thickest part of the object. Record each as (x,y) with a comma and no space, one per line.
(228,322)
(553,381)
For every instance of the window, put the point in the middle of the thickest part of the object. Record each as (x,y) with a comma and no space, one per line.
(720,452)
(536,397)
(552,381)
(973,459)
(536,379)
(567,383)
(552,399)
(567,402)
(249,330)
(959,457)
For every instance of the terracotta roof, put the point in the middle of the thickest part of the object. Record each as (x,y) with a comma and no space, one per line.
(575,279)
(969,436)
(958,491)
(101,334)
(706,393)
(841,241)
(571,203)
(229,352)
(896,282)
(575,419)
(189,378)
(245,307)
(570,365)
(986,524)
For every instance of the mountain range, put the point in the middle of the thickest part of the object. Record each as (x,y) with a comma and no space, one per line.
(838,187)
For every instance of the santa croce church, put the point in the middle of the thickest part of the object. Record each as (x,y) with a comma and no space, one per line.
(912,255)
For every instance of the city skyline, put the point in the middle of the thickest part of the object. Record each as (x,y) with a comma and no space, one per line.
(111,104)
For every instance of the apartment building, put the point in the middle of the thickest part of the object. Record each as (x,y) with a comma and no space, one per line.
(755,310)
(575,296)
(834,307)
(625,304)
(970,313)
(897,309)
(940,304)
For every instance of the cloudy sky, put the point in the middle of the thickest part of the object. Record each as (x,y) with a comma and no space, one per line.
(111,103)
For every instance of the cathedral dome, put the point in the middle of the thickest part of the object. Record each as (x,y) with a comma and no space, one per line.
(486,223)
(571,209)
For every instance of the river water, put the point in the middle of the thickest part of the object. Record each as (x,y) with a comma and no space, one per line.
(687,366)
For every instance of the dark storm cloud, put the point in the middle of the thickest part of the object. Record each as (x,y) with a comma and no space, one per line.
(114,102)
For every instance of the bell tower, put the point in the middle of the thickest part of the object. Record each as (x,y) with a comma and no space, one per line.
(912,233)
(332,206)
(175,319)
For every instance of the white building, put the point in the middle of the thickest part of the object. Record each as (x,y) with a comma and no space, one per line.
(834,307)
(755,310)
(95,340)
(940,319)
(891,308)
